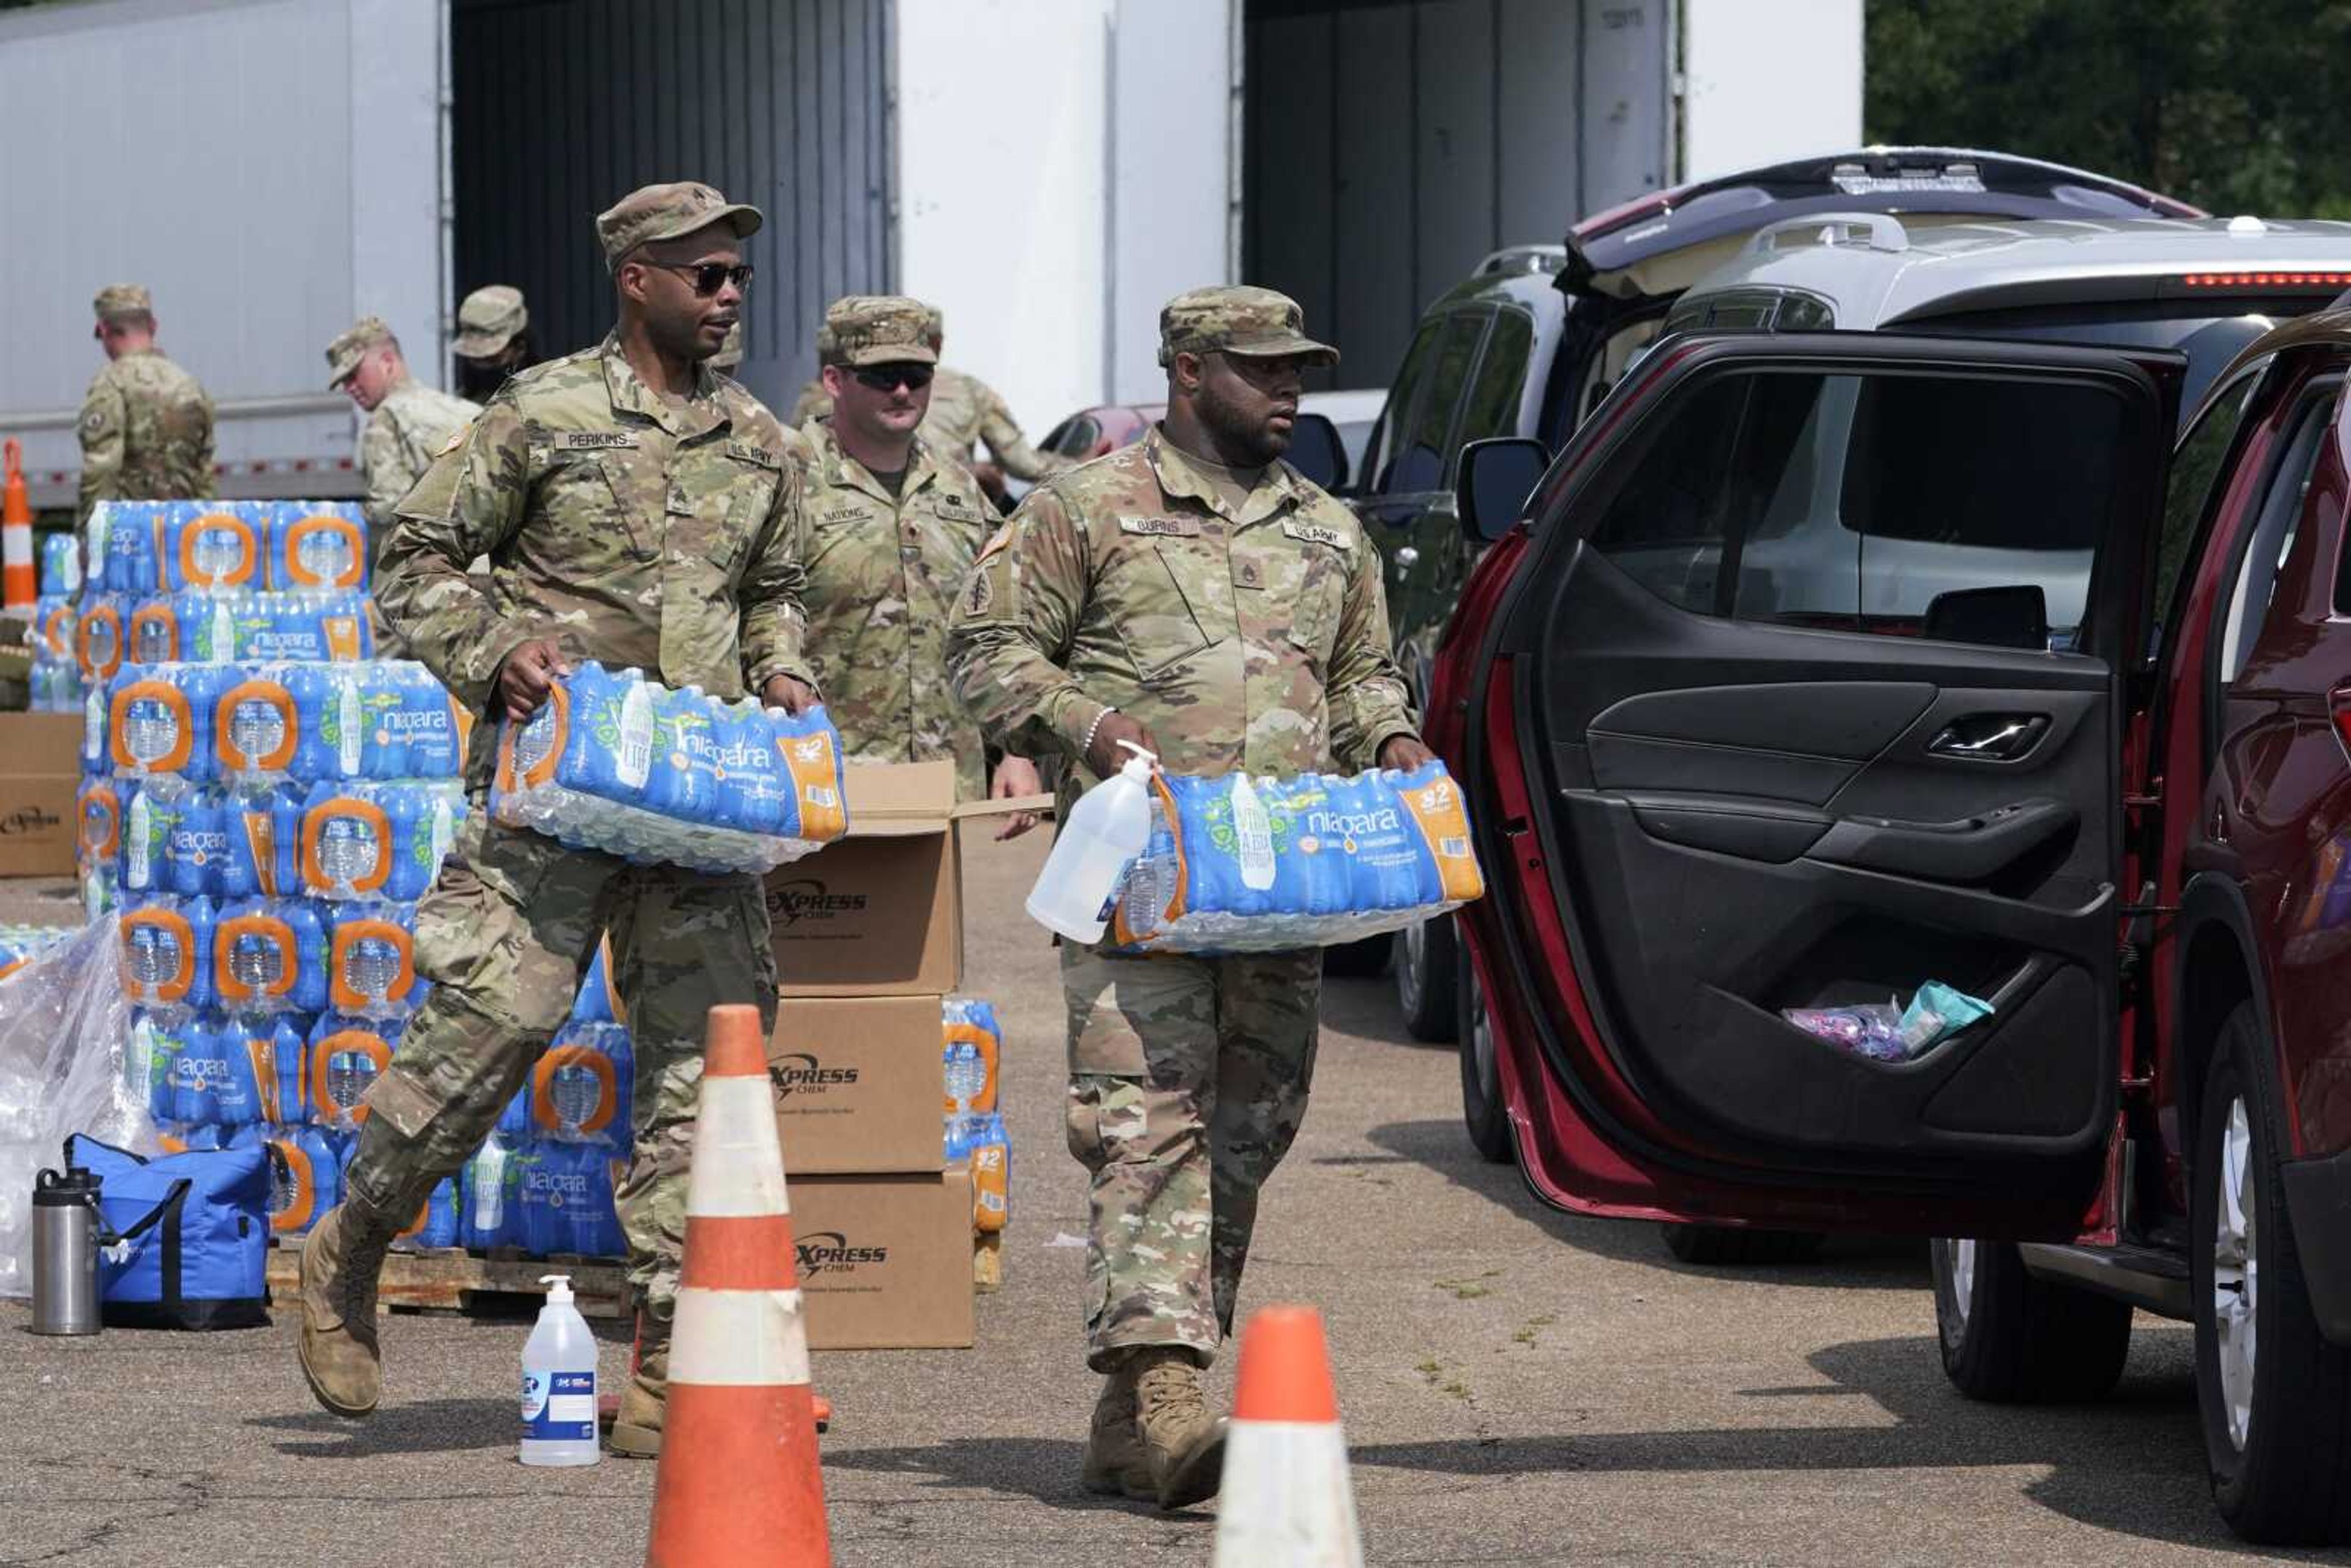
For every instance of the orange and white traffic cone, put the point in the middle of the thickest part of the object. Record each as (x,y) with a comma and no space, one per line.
(1287,1501)
(20,584)
(739,1482)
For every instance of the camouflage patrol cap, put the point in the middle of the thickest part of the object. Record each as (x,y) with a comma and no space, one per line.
(1238,320)
(876,329)
(488,321)
(666,211)
(351,345)
(123,300)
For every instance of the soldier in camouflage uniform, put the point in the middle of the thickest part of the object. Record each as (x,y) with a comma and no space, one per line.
(965,411)
(408,421)
(493,340)
(639,510)
(146,425)
(1195,596)
(891,532)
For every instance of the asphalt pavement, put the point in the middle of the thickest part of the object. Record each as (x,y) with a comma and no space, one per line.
(1517,1386)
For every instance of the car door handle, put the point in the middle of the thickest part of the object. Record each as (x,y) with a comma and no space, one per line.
(1990,737)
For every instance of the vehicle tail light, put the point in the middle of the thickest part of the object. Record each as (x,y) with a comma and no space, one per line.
(2243,280)
(2339,704)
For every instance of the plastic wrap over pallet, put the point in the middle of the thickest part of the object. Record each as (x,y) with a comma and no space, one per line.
(65,1066)
(615,762)
(1239,864)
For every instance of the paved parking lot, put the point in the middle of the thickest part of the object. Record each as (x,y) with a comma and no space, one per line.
(1518,1388)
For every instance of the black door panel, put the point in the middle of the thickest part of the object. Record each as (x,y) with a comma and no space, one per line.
(1773,791)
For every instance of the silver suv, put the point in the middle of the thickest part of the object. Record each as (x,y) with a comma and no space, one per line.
(2204,289)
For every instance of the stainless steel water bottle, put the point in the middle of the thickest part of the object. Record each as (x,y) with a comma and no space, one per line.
(66,1227)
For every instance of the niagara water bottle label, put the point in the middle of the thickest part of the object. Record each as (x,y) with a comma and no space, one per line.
(1253,830)
(558,1406)
(136,872)
(348,721)
(635,763)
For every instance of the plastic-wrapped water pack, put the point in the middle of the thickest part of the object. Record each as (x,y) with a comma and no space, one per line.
(1241,865)
(615,762)
(228,547)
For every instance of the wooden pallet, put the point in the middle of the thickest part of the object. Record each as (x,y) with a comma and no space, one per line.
(502,1282)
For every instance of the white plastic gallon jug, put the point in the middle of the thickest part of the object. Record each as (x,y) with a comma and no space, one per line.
(559,1383)
(1107,828)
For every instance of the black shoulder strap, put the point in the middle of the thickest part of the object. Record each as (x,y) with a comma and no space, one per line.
(167,1212)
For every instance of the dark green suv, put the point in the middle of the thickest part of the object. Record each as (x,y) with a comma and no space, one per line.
(1533,342)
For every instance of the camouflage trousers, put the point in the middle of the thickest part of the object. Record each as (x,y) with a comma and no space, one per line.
(504,937)
(1188,1080)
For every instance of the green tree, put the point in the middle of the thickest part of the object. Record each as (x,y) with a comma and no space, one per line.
(2235,105)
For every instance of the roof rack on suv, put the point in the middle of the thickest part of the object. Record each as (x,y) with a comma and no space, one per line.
(1879,231)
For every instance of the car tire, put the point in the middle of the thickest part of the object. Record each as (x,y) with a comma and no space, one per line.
(1721,1246)
(2277,1425)
(1483,1113)
(1427,967)
(2011,1337)
(1357,960)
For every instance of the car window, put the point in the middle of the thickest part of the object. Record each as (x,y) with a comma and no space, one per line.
(2196,464)
(1402,405)
(1423,451)
(1501,385)
(1605,369)
(2272,536)
(1074,437)
(1964,509)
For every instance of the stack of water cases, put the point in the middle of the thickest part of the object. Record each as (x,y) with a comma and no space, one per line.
(56,678)
(543,1182)
(264,803)
(975,1125)
(1236,863)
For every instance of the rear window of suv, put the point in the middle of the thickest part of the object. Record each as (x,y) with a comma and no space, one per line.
(2209,340)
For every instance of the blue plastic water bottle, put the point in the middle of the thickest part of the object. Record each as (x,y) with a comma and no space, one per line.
(240,1092)
(289,1055)
(197,1071)
(196,846)
(405,806)
(440,1217)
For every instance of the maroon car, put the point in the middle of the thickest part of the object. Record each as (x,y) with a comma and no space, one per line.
(1823,667)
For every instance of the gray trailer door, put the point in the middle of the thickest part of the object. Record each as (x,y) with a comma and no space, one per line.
(1390,144)
(563,106)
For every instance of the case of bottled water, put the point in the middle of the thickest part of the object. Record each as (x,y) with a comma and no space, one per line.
(614,761)
(581,1086)
(1241,865)
(974,1048)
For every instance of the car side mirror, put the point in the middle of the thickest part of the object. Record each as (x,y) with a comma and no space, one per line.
(1498,479)
(1316,451)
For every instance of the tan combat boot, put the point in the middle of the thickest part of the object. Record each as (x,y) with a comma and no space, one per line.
(637,1430)
(1183,1445)
(1114,1462)
(342,1259)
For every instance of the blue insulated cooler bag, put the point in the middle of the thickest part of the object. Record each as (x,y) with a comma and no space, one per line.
(197,1228)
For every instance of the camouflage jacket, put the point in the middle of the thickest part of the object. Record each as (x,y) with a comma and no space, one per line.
(1257,639)
(883,574)
(412,423)
(626,529)
(146,433)
(965,410)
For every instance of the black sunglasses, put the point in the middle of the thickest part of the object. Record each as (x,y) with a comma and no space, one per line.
(888,378)
(707,276)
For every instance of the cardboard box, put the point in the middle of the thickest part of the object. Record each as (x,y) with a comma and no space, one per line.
(885,1260)
(879,912)
(40,767)
(858,1084)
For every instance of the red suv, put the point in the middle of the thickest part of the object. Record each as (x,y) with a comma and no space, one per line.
(1824,666)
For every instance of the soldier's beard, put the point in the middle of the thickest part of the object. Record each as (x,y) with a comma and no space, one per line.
(1243,442)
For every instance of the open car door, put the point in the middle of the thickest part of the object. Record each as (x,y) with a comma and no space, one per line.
(1806,690)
